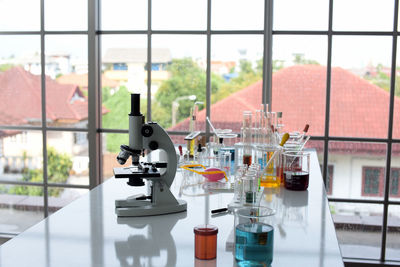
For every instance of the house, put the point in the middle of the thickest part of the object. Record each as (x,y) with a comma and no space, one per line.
(128,66)
(66,106)
(357,109)
(82,81)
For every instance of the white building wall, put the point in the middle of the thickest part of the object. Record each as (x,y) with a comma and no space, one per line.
(347,182)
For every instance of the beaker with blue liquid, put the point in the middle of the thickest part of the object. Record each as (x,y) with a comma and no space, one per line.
(254,236)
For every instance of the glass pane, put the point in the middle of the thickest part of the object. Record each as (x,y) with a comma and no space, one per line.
(299,82)
(371,15)
(66,15)
(21,156)
(124,59)
(237,15)
(396,110)
(60,197)
(20,82)
(236,81)
(178,79)
(358,229)
(20,207)
(359,86)
(394,189)
(393,234)
(67,157)
(111,144)
(179,15)
(301,15)
(359,169)
(66,88)
(15,18)
(123,15)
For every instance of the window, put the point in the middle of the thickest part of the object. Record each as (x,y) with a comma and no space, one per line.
(373,181)
(394,183)
(326,66)
(372,185)
(120,66)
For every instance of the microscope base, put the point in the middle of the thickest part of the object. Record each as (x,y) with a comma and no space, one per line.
(147,210)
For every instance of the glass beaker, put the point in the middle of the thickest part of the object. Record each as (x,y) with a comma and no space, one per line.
(296,170)
(254,236)
(271,166)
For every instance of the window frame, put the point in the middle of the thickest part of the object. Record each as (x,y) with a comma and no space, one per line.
(95,129)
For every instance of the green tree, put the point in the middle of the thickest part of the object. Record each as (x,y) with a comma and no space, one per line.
(299,59)
(246,76)
(5,67)
(187,78)
(58,169)
(382,80)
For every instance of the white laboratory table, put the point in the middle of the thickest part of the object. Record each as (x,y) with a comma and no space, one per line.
(88,233)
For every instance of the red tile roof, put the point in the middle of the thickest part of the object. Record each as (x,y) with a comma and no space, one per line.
(357,108)
(20,93)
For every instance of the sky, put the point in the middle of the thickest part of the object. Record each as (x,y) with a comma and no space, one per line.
(348,51)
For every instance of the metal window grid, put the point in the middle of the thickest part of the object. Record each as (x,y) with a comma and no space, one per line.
(95,130)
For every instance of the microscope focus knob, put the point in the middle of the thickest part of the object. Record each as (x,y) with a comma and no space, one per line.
(153,145)
(147,131)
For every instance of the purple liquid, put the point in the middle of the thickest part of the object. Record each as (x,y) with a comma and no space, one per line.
(296,180)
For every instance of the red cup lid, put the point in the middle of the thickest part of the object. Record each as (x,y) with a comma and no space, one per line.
(205,229)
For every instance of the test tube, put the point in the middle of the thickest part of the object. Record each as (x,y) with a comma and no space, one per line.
(279,121)
(259,114)
(247,137)
(238,184)
(250,188)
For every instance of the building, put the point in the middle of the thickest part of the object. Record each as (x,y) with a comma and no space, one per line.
(82,81)
(128,66)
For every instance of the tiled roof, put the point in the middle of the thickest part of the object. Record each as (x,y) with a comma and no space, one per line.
(357,108)
(82,80)
(20,93)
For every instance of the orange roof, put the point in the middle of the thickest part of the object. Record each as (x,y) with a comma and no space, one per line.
(357,109)
(82,80)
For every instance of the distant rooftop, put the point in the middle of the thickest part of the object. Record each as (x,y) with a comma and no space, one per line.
(21,92)
(136,55)
(82,80)
(357,108)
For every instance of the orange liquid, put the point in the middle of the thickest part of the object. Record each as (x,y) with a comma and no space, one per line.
(205,247)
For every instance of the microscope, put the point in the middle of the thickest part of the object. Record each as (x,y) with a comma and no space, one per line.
(160,175)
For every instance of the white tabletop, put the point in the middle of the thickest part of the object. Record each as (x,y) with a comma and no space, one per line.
(88,233)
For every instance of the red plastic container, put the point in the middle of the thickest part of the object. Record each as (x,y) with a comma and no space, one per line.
(205,242)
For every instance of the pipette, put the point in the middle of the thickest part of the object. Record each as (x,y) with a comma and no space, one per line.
(285,137)
(212,126)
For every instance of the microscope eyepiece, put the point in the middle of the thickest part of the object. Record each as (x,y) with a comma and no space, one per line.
(135,105)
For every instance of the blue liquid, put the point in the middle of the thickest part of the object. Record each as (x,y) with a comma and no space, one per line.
(254,244)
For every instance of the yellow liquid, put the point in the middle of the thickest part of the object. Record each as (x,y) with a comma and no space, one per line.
(270,181)
(191,145)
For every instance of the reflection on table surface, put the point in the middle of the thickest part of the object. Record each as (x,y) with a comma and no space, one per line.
(88,233)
